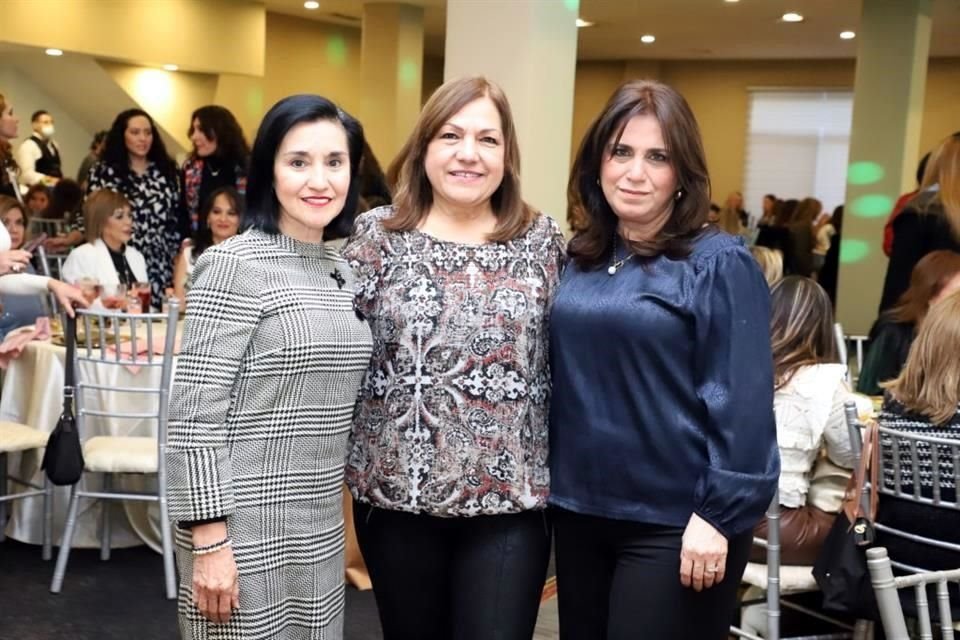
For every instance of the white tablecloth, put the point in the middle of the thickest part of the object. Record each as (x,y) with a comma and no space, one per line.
(33,395)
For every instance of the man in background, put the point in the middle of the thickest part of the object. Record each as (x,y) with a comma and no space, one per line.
(38,155)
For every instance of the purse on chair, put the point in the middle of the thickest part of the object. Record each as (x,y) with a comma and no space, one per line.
(63,458)
(841,566)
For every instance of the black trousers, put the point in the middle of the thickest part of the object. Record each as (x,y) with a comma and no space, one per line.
(620,580)
(474,578)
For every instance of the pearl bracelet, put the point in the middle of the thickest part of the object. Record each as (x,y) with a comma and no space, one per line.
(211,548)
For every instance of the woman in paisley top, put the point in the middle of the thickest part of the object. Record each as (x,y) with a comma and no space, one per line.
(448,460)
(135,163)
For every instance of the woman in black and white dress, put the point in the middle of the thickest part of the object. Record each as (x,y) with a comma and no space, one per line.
(271,361)
(135,163)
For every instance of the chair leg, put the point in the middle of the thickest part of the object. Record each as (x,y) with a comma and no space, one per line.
(3,492)
(105,518)
(47,518)
(166,536)
(64,554)
(863,630)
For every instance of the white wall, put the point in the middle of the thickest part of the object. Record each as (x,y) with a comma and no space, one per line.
(26,97)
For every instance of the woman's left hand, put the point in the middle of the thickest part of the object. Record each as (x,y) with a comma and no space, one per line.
(703,557)
(67,295)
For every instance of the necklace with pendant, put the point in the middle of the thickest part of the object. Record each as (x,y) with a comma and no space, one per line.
(616,264)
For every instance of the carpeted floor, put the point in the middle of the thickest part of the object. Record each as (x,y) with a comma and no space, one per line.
(121,599)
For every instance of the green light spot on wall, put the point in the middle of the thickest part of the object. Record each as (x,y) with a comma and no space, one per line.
(572,5)
(408,73)
(872,205)
(255,102)
(337,50)
(853,250)
(865,173)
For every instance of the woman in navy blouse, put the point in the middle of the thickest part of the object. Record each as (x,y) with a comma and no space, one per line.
(663,451)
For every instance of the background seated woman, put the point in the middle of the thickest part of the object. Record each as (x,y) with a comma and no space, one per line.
(935,277)
(808,400)
(219,219)
(19,310)
(106,258)
(924,400)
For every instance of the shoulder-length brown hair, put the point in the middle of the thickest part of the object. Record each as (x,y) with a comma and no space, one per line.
(927,280)
(8,204)
(801,327)
(589,212)
(943,169)
(413,193)
(929,383)
(98,207)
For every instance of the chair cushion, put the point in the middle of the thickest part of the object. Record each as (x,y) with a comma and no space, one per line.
(793,579)
(20,437)
(120,454)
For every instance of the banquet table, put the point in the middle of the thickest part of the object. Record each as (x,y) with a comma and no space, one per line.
(32,394)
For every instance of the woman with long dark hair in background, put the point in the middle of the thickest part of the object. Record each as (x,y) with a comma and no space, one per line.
(136,164)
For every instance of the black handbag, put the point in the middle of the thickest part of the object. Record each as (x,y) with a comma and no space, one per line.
(63,459)
(841,566)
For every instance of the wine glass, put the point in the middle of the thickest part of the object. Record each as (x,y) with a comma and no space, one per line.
(142,291)
(90,288)
(114,296)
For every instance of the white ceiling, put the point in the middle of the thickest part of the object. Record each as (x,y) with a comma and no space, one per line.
(685,29)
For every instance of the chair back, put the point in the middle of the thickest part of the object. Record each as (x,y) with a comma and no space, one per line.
(920,468)
(124,366)
(841,342)
(885,586)
(51,266)
(50,226)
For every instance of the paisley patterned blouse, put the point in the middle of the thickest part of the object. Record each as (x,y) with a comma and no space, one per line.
(452,418)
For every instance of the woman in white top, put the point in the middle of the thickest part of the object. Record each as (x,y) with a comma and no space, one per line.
(808,402)
(106,257)
(219,219)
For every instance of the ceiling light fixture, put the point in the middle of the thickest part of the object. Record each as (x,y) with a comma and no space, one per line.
(170,67)
(847,35)
(792,17)
(648,39)
(311,4)
(731,1)
(54,52)
(581,23)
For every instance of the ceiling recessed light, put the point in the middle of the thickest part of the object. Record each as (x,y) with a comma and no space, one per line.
(583,23)
(170,67)
(311,4)
(792,17)
(648,39)
(54,52)
(731,1)
(847,35)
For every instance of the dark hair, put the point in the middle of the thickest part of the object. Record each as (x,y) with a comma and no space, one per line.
(837,219)
(116,155)
(203,236)
(413,192)
(594,240)
(785,212)
(98,137)
(374,191)
(801,327)
(263,209)
(922,167)
(66,197)
(36,115)
(219,124)
(771,196)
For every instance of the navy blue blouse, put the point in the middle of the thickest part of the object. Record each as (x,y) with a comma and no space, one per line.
(662,400)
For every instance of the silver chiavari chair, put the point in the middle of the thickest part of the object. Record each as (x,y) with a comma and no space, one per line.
(98,399)
(905,473)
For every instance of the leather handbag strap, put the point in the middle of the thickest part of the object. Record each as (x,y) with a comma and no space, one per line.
(70,337)
(868,467)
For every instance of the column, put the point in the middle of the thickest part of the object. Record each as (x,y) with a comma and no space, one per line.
(529,48)
(893,45)
(391,72)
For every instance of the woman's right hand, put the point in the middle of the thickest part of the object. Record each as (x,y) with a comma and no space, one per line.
(14,261)
(216,590)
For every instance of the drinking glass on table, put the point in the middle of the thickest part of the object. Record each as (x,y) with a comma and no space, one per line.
(114,296)
(142,291)
(90,288)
